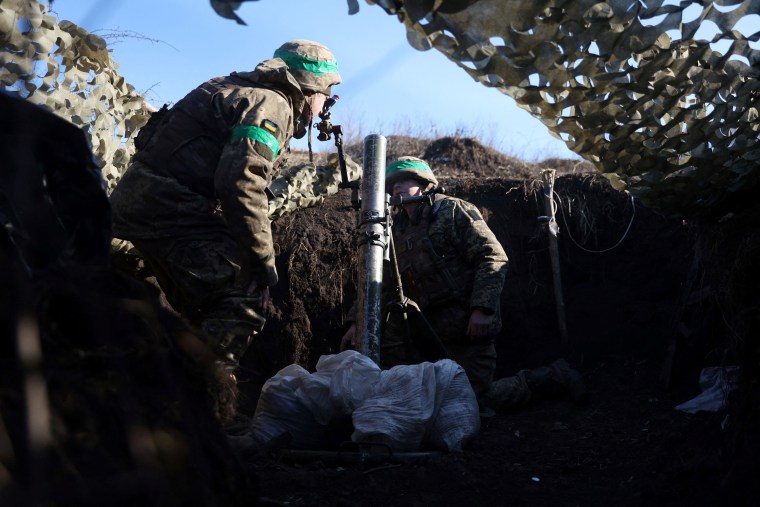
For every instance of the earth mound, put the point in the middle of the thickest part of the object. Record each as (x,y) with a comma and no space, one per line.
(461,157)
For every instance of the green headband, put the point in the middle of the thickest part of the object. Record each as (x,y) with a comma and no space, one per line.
(299,62)
(407,164)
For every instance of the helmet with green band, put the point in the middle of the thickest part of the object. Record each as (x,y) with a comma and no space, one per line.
(312,64)
(409,167)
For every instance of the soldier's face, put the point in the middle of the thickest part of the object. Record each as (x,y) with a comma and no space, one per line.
(407,188)
(314,104)
(317,102)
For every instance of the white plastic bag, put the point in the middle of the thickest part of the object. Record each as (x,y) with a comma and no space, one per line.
(716,382)
(407,407)
(458,417)
(286,406)
(353,378)
(400,409)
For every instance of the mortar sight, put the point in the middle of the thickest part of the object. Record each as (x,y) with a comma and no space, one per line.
(325,127)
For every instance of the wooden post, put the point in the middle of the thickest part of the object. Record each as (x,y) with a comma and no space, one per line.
(547,175)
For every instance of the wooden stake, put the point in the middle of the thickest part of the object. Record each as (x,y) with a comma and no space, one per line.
(548,178)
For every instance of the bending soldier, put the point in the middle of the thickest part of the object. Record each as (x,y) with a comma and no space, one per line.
(453,269)
(220,144)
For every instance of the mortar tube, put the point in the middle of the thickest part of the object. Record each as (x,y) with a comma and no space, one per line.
(372,234)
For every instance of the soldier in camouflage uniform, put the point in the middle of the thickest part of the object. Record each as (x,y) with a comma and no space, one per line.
(453,269)
(220,145)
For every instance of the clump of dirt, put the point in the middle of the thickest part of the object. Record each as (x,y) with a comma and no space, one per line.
(458,157)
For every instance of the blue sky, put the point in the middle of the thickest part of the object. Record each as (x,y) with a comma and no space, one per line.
(389,87)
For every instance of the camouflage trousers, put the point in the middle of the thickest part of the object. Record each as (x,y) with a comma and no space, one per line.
(506,393)
(198,278)
(478,359)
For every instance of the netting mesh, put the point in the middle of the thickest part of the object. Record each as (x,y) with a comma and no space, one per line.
(70,71)
(659,95)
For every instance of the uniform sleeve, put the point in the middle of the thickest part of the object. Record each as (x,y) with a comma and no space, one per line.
(261,131)
(484,252)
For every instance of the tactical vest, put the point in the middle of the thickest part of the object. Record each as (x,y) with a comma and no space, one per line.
(433,273)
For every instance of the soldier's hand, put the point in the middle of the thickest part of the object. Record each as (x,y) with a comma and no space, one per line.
(479,324)
(350,338)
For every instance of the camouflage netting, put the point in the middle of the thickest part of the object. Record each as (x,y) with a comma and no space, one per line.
(659,95)
(305,185)
(64,68)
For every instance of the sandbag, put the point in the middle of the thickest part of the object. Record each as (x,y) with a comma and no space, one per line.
(408,407)
(286,408)
(458,417)
(400,409)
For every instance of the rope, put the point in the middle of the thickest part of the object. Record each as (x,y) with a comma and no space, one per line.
(622,238)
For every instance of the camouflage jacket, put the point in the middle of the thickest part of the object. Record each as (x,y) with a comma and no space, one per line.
(450,263)
(221,142)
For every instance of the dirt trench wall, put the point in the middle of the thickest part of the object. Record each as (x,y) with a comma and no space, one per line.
(620,299)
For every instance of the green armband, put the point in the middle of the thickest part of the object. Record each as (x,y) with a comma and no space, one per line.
(257,134)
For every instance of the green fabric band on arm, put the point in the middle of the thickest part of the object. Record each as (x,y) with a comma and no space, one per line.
(259,135)
(407,164)
(308,64)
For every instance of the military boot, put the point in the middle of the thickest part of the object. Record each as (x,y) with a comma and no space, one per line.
(229,338)
(556,380)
